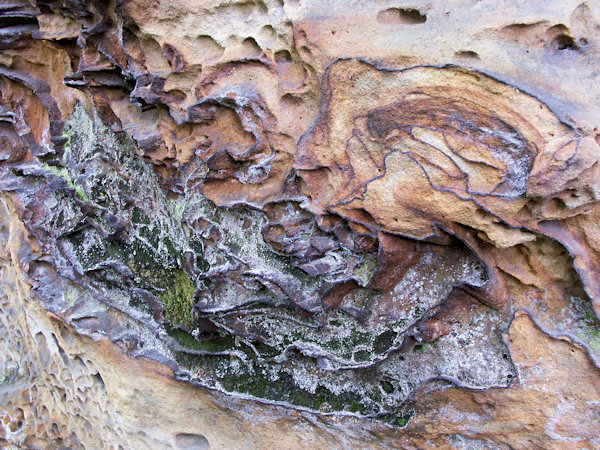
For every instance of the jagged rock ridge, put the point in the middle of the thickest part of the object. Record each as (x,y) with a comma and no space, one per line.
(275,218)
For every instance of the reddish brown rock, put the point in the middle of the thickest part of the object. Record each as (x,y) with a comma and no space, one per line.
(307,224)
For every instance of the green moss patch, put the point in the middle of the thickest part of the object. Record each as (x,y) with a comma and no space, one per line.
(178,300)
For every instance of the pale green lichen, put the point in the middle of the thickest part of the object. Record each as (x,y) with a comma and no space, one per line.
(60,172)
(178,207)
(590,333)
(71,296)
(81,193)
(67,145)
(179,299)
(365,271)
(63,173)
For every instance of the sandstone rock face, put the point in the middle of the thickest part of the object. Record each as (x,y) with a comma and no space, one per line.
(303,224)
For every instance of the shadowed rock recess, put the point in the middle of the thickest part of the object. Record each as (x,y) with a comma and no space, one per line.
(303,224)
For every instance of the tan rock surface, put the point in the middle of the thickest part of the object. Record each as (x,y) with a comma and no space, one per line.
(304,224)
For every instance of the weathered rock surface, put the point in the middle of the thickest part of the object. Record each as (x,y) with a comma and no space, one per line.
(299,224)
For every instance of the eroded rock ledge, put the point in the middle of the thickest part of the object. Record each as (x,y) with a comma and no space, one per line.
(344,244)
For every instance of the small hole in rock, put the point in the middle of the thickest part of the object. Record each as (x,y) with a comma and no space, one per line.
(191,441)
(406,16)
(467,54)
(283,56)
(564,42)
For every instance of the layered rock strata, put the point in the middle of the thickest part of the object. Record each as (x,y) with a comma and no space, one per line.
(233,224)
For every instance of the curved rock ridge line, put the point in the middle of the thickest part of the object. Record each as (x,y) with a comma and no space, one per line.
(428,151)
(221,209)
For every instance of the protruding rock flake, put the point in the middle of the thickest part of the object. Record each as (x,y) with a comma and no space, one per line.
(299,224)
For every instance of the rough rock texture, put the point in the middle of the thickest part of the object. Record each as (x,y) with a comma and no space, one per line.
(299,224)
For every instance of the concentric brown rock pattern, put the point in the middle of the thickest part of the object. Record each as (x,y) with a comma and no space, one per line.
(301,224)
